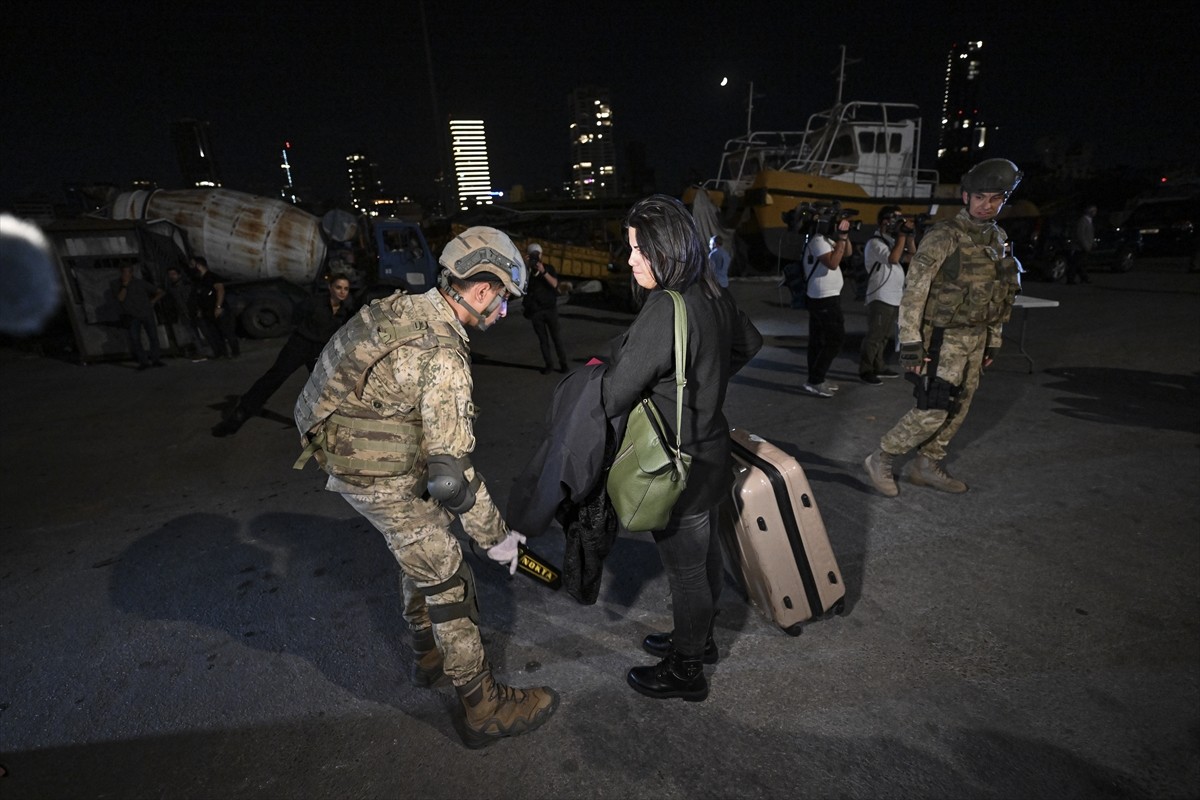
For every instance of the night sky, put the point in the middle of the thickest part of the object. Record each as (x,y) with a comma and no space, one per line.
(90,89)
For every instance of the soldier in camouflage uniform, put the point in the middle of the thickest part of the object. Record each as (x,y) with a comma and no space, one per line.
(959,293)
(388,414)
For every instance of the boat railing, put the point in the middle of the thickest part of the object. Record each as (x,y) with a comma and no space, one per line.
(863,111)
(825,128)
(752,151)
(810,150)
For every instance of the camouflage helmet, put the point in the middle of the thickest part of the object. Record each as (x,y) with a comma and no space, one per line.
(483,249)
(993,175)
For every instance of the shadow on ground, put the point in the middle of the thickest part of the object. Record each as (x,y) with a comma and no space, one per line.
(1128,397)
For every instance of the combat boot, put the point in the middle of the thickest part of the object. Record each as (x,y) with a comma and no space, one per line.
(674,676)
(427,662)
(879,470)
(492,711)
(927,472)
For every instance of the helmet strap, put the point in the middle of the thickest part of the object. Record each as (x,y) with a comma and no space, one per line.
(481,322)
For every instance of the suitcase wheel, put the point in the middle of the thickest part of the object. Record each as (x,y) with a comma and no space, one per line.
(839,607)
(794,630)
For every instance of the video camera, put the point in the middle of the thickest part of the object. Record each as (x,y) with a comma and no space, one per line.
(907,225)
(810,218)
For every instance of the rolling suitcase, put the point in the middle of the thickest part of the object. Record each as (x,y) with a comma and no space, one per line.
(774,537)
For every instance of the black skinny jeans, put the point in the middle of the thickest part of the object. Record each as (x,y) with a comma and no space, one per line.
(691,554)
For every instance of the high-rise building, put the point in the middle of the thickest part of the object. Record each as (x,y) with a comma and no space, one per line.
(288,190)
(365,184)
(962,132)
(193,148)
(593,149)
(468,145)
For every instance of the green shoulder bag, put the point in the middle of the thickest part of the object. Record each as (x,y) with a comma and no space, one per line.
(648,475)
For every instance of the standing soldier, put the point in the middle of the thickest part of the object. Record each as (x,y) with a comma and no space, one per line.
(960,291)
(388,414)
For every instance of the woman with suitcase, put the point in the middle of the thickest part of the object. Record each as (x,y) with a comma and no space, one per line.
(666,252)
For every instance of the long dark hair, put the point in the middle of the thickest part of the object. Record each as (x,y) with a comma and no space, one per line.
(668,239)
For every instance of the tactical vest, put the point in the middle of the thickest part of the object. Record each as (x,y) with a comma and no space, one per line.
(348,435)
(976,283)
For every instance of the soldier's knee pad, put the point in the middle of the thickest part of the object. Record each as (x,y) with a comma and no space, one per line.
(467,607)
(943,395)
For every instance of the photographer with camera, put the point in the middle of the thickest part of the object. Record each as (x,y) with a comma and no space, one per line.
(885,253)
(823,258)
(541,308)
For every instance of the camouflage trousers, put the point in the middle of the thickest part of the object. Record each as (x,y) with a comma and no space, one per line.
(418,534)
(960,363)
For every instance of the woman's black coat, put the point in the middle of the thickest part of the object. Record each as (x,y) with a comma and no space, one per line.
(721,340)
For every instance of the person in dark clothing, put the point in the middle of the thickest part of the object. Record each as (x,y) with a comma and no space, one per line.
(319,320)
(137,299)
(215,318)
(180,315)
(668,253)
(1083,242)
(541,307)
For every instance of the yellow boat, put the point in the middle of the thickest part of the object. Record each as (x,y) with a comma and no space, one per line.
(862,155)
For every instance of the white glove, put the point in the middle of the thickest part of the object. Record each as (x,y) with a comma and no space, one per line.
(506,552)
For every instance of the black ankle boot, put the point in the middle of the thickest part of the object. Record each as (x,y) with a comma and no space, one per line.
(659,644)
(674,676)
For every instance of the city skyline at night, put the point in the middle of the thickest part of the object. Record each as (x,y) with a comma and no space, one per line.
(1050,78)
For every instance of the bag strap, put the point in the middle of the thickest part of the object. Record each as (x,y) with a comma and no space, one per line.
(875,267)
(680,364)
(807,269)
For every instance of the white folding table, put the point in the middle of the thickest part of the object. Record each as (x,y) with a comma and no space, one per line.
(1025,302)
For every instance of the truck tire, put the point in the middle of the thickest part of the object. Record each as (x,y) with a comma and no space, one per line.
(266,317)
(1124,260)
(1056,268)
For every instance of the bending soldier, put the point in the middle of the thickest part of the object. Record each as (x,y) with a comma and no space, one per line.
(388,414)
(959,292)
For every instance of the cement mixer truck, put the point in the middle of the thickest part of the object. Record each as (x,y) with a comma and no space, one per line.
(271,254)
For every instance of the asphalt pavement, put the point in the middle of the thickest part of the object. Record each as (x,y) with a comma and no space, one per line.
(183,616)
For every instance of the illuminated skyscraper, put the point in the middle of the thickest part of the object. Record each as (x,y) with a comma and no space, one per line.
(468,144)
(365,185)
(962,131)
(593,149)
(288,190)
(194,151)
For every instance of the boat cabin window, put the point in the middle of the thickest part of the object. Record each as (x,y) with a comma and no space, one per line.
(879,142)
(843,147)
